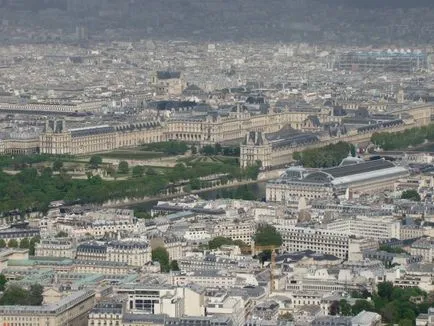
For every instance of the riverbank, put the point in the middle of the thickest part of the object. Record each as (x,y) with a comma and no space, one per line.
(262,179)
(144,202)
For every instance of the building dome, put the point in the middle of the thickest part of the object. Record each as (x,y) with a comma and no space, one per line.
(295,173)
(351,160)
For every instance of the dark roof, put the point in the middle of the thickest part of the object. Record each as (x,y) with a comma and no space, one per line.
(296,256)
(380,125)
(91,247)
(128,245)
(169,105)
(107,308)
(193,89)
(168,74)
(294,140)
(367,166)
(92,131)
(138,126)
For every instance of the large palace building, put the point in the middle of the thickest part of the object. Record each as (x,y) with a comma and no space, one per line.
(193,127)
(276,148)
(267,134)
(57,139)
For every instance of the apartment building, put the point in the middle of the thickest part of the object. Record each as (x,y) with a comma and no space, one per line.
(423,247)
(130,252)
(243,230)
(18,234)
(368,227)
(206,278)
(319,240)
(55,247)
(411,232)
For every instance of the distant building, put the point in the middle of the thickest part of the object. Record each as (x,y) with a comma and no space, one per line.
(383,61)
(170,83)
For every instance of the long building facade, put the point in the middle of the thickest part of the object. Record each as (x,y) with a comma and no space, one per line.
(57,139)
(202,129)
(264,142)
(352,175)
(274,149)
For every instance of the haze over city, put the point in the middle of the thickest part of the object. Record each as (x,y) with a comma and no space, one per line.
(216,162)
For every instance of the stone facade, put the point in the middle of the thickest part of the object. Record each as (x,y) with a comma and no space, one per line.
(55,247)
(70,310)
(272,151)
(168,83)
(322,241)
(57,139)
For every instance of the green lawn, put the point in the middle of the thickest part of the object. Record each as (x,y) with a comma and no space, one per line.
(132,155)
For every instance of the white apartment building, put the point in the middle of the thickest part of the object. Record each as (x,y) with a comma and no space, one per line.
(319,240)
(206,278)
(101,228)
(243,231)
(411,232)
(171,301)
(368,227)
(198,232)
(55,247)
(223,304)
(423,247)
(132,253)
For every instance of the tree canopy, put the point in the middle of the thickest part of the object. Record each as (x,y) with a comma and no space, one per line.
(410,194)
(138,171)
(123,167)
(57,165)
(161,255)
(392,303)
(403,139)
(267,235)
(61,234)
(217,242)
(174,265)
(25,243)
(12,243)
(95,161)
(16,295)
(324,157)
(3,282)
(33,242)
(168,147)
(28,190)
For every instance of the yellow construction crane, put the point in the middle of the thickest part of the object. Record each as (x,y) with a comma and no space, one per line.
(258,249)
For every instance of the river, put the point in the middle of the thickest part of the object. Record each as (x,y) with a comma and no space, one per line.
(258,189)
(428,147)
